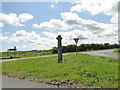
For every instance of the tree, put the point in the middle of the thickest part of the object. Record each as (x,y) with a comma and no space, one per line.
(54,50)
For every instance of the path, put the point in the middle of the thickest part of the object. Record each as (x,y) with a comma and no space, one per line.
(105,53)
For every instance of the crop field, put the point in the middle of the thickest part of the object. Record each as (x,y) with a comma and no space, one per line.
(20,54)
(86,70)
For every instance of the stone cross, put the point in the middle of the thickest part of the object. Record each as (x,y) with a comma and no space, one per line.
(59,38)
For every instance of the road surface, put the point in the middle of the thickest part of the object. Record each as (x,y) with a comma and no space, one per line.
(8,82)
(6,60)
(105,53)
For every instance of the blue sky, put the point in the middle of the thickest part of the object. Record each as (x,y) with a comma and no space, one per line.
(59,18)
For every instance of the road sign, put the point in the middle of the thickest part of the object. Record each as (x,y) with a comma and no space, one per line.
(76,40)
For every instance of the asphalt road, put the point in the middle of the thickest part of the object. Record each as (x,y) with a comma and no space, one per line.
(7,60)
(8,82)
(105,53)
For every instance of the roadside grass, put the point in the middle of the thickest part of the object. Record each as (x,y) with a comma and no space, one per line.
(92,50)
(82,69)
(117,51)
(20,54)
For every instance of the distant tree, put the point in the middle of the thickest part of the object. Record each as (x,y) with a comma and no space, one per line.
(64,49)
(85,47)
(107,45)
(115,46)
(71,48)
(54,50)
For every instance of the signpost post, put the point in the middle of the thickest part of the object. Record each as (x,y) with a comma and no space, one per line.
(10,50)
(76,41)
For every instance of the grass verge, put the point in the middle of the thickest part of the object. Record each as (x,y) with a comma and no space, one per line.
(82,69)
(21,54)
(117,51)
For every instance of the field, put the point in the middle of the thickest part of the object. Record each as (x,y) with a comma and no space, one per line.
(20,54)
(82,69)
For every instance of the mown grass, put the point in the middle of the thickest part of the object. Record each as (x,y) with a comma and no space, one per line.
(20,54)
(83,69)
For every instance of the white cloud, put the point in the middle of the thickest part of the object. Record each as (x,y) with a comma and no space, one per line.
(33,40)
(96,6)
(53,24)
(3,38)
(36,26)
(49,35)
(1,24)
(25,36)
(108,7)
(52,6)
(95,32)
(71,20)
(25,17)
(15,20)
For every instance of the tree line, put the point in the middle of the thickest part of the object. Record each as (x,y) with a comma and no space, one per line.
(85,47)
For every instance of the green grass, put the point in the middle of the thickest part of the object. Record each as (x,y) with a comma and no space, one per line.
(82,69)
(117,51)
(20,54)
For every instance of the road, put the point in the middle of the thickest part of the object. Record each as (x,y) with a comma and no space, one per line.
(105,53)
(8,82)
(6,60)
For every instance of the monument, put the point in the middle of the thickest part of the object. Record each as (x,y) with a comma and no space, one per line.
(59,38)
(76,41)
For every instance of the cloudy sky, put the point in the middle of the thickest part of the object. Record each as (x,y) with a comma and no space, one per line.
(35,25)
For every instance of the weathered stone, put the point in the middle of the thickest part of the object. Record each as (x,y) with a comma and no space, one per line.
(59,38)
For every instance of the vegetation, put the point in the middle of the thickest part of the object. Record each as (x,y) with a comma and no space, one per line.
(19,54)
(117,51)
(65,49)
(82,69)
(85,47)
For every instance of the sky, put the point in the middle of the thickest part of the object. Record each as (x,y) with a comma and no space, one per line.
(35,25)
